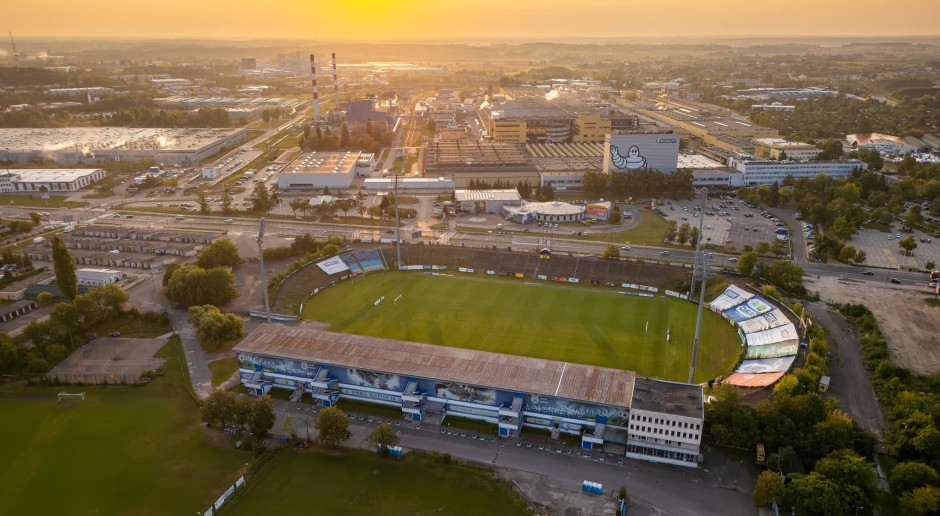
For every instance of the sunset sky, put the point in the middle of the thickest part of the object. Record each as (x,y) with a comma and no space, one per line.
(449,19)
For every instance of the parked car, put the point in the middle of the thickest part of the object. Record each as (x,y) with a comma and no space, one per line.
(114,334)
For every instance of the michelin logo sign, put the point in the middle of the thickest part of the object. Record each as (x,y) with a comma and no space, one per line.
(629,152)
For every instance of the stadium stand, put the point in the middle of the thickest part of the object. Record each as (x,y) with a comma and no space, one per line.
(351,262)
(370,260)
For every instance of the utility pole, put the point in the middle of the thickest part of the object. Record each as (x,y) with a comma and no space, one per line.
(16,55)
(701,273)
(397,222)
(264,278)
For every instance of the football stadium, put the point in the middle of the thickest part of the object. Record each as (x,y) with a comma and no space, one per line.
(506,338)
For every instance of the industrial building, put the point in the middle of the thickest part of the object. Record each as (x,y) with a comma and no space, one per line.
(884,143)
(430,383)
(626,152)
(480,160)
(248,108)
(777,147)
(486,201)
(90,145)
(765,172)
(552,211)
(48,179)
(316,170)
(430,184)
(538,120)
(96,277)
(702,119)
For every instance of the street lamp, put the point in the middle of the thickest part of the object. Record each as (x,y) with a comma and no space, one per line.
(858,509)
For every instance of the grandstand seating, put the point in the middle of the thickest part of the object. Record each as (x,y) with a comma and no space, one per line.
(370,260)
(351,262)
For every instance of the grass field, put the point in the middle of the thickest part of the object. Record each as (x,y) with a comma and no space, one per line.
(545,320)
(365,484)
(54,201)
(126,450)
(222,369)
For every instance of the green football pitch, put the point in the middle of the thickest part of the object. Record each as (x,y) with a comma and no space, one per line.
(554,321)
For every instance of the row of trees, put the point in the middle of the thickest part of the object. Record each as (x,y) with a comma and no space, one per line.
(226,410)
(640,183)
(323,139)
(333,430)
(209,281)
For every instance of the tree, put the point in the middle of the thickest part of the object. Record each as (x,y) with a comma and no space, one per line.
(852,474)
(203,201)
(100,303)
(860,257)
(785,275)
(847,253)
(671,231)
(226,201)
(10,356)
(64,267)
(814,494)
(221,253)
(612,252)
(762,248)
(261,200)
(35,217)
(361,209)
(297,204)
(746,263)
(908,476)
(344,137)
(261,418)
(615,216)
(332,426)
(682,234)
(193,285)
(47,299)
(908,244)
(214,327)
(217,409)
(921,501)
(913,217)
(383,437)
(831,149)
(168,272)
(595,183)
(241,411)
(343,205)
(769,489)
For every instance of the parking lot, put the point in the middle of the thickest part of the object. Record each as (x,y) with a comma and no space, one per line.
(886,254)
(728,223)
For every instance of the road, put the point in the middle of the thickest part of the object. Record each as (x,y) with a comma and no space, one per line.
(721,487)
(851,382)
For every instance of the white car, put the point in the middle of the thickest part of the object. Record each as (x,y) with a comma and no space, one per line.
(733,260)
(624,248)
(228,221)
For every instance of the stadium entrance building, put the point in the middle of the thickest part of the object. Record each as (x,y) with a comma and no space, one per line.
(430,383)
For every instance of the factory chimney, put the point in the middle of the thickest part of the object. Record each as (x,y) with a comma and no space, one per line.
(335,83)
(316,99)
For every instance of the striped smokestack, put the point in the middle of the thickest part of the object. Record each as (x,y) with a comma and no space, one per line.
(335,83)
(316,98)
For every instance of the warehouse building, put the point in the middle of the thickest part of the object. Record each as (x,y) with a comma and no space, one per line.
(48,179)
(96,277)
(765,172)
(90,145)
(316,170)
(431,383)
(486,201)
(778,148)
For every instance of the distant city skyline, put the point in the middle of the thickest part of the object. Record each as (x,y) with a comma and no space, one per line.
(466,19)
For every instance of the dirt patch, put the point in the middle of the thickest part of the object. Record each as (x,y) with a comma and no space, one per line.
(909,325)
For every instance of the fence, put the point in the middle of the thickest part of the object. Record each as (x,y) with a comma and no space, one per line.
(95,378)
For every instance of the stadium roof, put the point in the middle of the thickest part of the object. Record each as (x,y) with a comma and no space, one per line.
(480,368)
(506,194)
(679,399)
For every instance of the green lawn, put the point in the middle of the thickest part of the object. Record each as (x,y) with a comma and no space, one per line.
(545,320)
(222,369)
(650,230)
(34,199)
(366,484)
(130,326)
(131,450)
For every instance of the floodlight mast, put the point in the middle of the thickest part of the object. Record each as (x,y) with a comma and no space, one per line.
(397,213)
(701,271)
(264,279)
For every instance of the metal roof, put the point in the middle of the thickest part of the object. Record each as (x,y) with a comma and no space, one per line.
(480,368)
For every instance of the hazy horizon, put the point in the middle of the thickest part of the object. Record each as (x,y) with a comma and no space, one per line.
(466,21)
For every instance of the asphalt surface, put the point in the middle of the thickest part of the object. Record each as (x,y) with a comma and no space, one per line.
(850,382)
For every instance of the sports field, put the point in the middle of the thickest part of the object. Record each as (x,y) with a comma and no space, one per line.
(545,320)
(125,450)
(366,484)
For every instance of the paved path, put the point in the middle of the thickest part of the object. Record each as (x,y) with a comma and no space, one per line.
(851,382)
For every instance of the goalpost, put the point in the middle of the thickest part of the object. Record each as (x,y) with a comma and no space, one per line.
(397,299)
(67,395)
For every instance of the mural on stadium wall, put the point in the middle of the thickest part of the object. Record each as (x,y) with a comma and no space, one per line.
(278,365)
(574,409)
(463,392)
(364,378)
